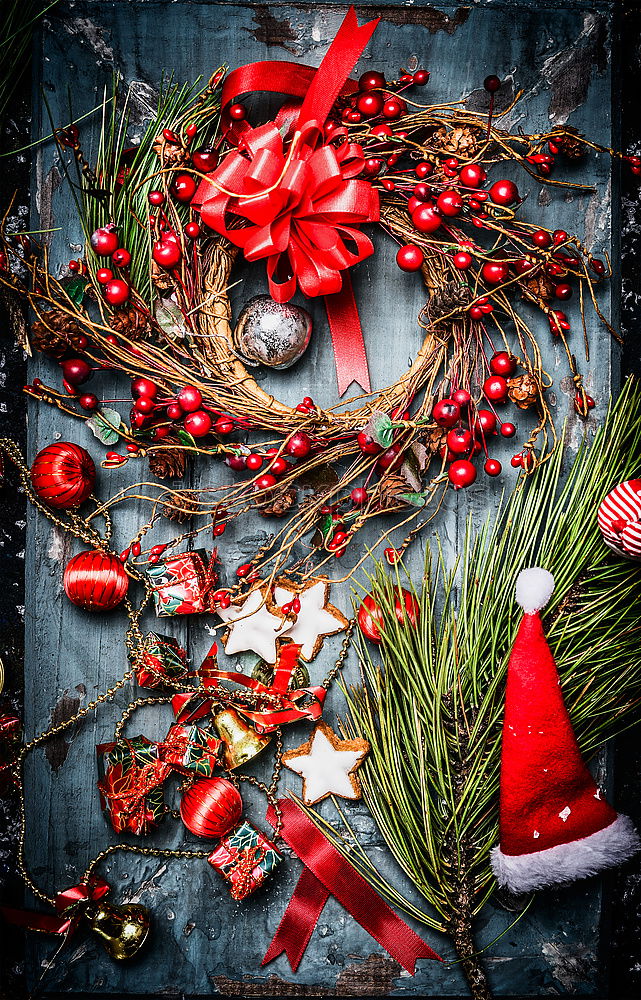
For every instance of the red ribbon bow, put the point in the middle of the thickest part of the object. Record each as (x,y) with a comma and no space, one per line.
(299,200)
(326,873)
(70,904)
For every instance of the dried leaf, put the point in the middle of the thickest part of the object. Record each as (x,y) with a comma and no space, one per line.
(380,427)
(103,425)
(170,319)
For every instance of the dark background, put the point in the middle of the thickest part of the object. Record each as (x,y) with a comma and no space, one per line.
(620,945)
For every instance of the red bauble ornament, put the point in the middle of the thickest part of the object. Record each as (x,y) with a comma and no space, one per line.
(508,430)
(211,807)
(495,272)
(394,108)
(117,292)
(446,412)
(472,175)
(410,257)
(422,192)
(190,398)
(563,292)
(421,77)
(370,616)
(495,388)
(359,496)
(504,193)
(198,424)
(192,230)
(104,241)
(205,159)
(104,275)
(88,401)
(367,444)
(461,474)
(63,475)
(156,198)
(184,187)
(449,203)
(425,219)
(371,81)
(166,253)
(95,580)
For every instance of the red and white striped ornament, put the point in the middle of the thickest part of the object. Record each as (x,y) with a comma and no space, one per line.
(211,807)
(619,518)
(95,580)
(63,475)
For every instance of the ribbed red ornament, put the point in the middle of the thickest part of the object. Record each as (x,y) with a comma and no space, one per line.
(370,616)
(63,475)
(95,580)
(211,807)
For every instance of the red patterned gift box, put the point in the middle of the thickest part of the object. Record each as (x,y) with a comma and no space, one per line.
(130,784)
(181,584)
(191,750)
(163,659)
(245,857)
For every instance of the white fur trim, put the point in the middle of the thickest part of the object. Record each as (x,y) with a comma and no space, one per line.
(534,588)
(604,849)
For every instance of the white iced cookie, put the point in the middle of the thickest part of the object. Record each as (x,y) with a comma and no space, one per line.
(327,764)
(254,625)
(316,618)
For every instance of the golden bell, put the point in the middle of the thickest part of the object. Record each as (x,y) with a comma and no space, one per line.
(240,740)
(122,929)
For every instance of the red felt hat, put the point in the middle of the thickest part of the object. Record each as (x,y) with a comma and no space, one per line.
(554,824)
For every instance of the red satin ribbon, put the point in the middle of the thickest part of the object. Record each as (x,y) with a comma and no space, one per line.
(69,903)
(326,873)
(301,204)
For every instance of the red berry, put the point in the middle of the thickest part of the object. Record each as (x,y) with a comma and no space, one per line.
(88,401)
(205,159)
(104,275)
(243,570)
(502,363)
(104,241)
(236,462)
(462,398)
(459,441)
(425,219)
(559,236)
(144,387)
(476,312)
(162,431)
(372,166)
(461,473)
(166,253)
(446,412)
(254,462)
(198,424)
(279,466)
(422,192)
(578,402)
(192,230)
(495,272)
(184,187)
(121,257)
(224,425)
(359,496)
(493,467)
(394,108)
(191,130)
(504,192)
(449,203)
(598,267)
(190,398)
(237,112)
(308,401)
(421,77)
(391,555)
(367,444)
(563,292)
(74,266)
(516,461)
(472,175)
(495,388)
(486,421)
(541,239)
(117,292)
(156,197)
(145,405)
(124,555)
(492,84)
(265,482)
(371,81)
(423,169)
(219,530)
(462,260)
(175,411)
(390,458)
(508,430)
(135,549)
(410,257)
(299,445)
(370,104)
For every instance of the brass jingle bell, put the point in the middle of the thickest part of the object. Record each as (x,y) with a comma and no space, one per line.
(241,742)
(122,929)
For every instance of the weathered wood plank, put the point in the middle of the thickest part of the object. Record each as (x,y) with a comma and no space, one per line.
(203,942)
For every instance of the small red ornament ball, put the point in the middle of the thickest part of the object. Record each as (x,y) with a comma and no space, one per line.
(192,230)
(495,388)
(63,475)
(142,386)
(211,807)
(104,275)
(504,193)
(410,257)
(450,203)
(508,430)
(359,496)
(394,108)
(370,616)
(156,198)
(299,445)
(95,580)
(104,241)
(495,272)
(461,474)
(117,292)
(426,219)
(493,467)
(486,422)
(184,187)
(446,412)
(421,77)
(472,175)
(371,81)
(502,363)
(198,424)
(367,444)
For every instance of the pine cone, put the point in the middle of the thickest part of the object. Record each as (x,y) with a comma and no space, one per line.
(167,463)
(452,297)
(541,286)
(277,504)
(524,390)
(161,278)
(55,334)
(130,323)
(169,153)
(570,144)
(181,505)
(460,141)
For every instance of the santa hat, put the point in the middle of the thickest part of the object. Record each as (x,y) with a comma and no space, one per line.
(554,825)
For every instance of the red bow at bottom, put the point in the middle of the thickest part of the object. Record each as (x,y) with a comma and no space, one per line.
(327,873)
(70,904)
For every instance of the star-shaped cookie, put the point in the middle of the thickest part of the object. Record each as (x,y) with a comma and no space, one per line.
(254,625)
(316,618)
(327,764)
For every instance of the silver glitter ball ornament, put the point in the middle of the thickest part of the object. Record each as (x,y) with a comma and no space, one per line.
(271,333)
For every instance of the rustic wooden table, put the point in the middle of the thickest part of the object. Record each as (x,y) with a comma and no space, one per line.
(560,55)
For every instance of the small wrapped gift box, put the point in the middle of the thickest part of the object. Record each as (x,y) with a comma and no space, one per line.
(245,857)
(131,774)
(191,750)
(163,659)
(182,583)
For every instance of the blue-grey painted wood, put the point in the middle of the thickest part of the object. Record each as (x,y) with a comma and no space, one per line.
(202,941)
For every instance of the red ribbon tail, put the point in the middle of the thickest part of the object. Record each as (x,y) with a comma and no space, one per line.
(337,877)
(347,338)
(299,920)
(30,921)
